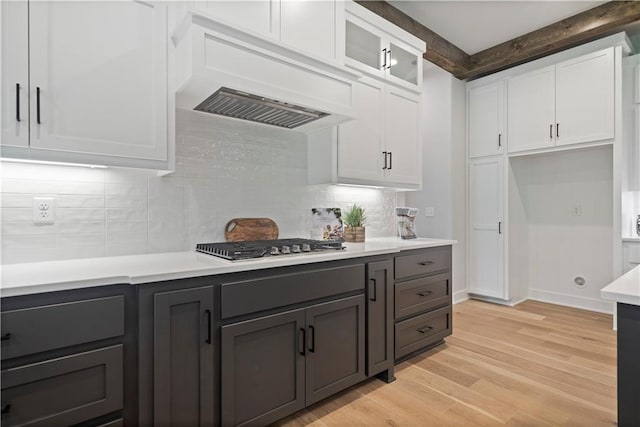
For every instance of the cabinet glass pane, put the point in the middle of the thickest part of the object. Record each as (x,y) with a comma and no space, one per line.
(362,46)
(404,65)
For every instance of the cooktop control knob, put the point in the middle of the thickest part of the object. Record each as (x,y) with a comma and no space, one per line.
(286,250)
(306,247)
(295,249)
(275,250)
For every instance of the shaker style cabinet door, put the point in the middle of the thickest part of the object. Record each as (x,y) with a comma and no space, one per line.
(486,225)
(486,120)
(15,73)
(98,81)
(258,16)
(531,110)
(585,98)
(380,336)
(403,136)
(310,26)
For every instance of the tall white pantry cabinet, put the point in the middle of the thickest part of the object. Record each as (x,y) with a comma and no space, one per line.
(564,101)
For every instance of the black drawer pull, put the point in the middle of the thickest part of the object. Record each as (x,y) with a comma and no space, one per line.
(425,293)
(302,349)
(5,337)
(425,263)
(425,329)
(5,409)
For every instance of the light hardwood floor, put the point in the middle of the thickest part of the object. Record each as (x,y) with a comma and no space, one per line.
(532,365)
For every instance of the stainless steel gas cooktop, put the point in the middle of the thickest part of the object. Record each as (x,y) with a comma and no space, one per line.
(263,248)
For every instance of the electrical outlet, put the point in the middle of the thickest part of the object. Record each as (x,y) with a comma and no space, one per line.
(429,211)
(576,210)
(44,210)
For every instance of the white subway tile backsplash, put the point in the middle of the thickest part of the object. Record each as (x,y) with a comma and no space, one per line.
(224,169)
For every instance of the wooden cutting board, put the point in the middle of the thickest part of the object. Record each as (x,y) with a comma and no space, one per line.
(239,229)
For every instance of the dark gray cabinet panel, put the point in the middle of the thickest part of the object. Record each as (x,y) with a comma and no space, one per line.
(422,262)
(335,347)
(422,331)
(183,352)
(116,423)
(37,329)
(263,369)
(379,317)
(422,294)
(252,296)
(628,365)
(64,391)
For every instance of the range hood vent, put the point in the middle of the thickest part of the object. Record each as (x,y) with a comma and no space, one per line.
(240,105)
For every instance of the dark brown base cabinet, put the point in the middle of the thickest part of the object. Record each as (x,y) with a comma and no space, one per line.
(275,365)
(380,331)
(628,365)
(177,348)
(68,358)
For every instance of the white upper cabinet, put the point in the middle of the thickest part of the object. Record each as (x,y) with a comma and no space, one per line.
(403,138)
(531,111)
(15,73)
(99,78)
(259,16)
(486,120)
(571,102)
(584,98)
(379,48)
(486,227)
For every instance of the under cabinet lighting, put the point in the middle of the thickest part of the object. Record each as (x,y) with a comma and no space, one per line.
(44,162)
(359,186)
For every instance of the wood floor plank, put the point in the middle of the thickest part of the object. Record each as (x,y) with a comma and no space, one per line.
(535,364)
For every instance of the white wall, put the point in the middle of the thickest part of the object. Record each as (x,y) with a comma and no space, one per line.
(225,169)
(561,245)
(444,172)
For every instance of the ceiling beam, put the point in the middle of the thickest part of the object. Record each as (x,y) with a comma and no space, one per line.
(598,22)
(594,23)
(439,50)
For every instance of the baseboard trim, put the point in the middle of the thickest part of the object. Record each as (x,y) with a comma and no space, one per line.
(590,304)
(494,300)
(460,296)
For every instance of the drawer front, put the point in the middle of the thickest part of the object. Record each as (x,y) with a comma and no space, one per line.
(116,423)
(252,296)
(63,391)
(423,262)
(37,329)
(421,331)
(422,294)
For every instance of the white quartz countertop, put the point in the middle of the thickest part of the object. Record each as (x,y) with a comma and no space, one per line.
(38,277)
(625,289)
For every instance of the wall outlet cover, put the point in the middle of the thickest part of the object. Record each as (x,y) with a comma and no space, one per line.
(44,210)
(429,211)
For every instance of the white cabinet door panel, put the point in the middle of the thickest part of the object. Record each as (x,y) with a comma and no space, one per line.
(486,239)
(531,110)
(486,113)
(261,17)
(403,138)
(361,141)
(15,73)
(103,87)
(585,98)
(310,26)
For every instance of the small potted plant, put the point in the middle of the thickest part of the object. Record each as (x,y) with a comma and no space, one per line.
(354,220)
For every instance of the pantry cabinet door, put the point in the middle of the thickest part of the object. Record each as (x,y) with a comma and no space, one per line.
(486,114)
(403,137)
(99,77)
(486,226)
(531,110)
(585,98)
(15,73)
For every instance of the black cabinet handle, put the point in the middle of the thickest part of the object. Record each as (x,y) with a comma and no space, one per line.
(384,153)
(384,53)
(557,130)
(551,131)
(208,313)
(5,337)
(38,105)
(18,102)
(390,60)
(390,160)
(425,263)
(425,329)
(5,409)
(500,227)
(312,347)
(499,140)
(372,289)
(425,293)
(302,341)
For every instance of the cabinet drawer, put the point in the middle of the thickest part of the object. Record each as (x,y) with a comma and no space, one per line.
(63,391)
(423,262)
(116,423)
(421,331)
(252,296)
(37,329)
(422,294)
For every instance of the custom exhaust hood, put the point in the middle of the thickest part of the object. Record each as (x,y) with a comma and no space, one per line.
(222,71)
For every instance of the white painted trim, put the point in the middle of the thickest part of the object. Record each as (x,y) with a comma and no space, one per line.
(490,299)
(591,304)
(460,296)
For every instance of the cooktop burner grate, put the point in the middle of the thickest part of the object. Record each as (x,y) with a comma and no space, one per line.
(262,248)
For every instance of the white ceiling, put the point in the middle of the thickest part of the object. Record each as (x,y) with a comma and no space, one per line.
(477,25)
